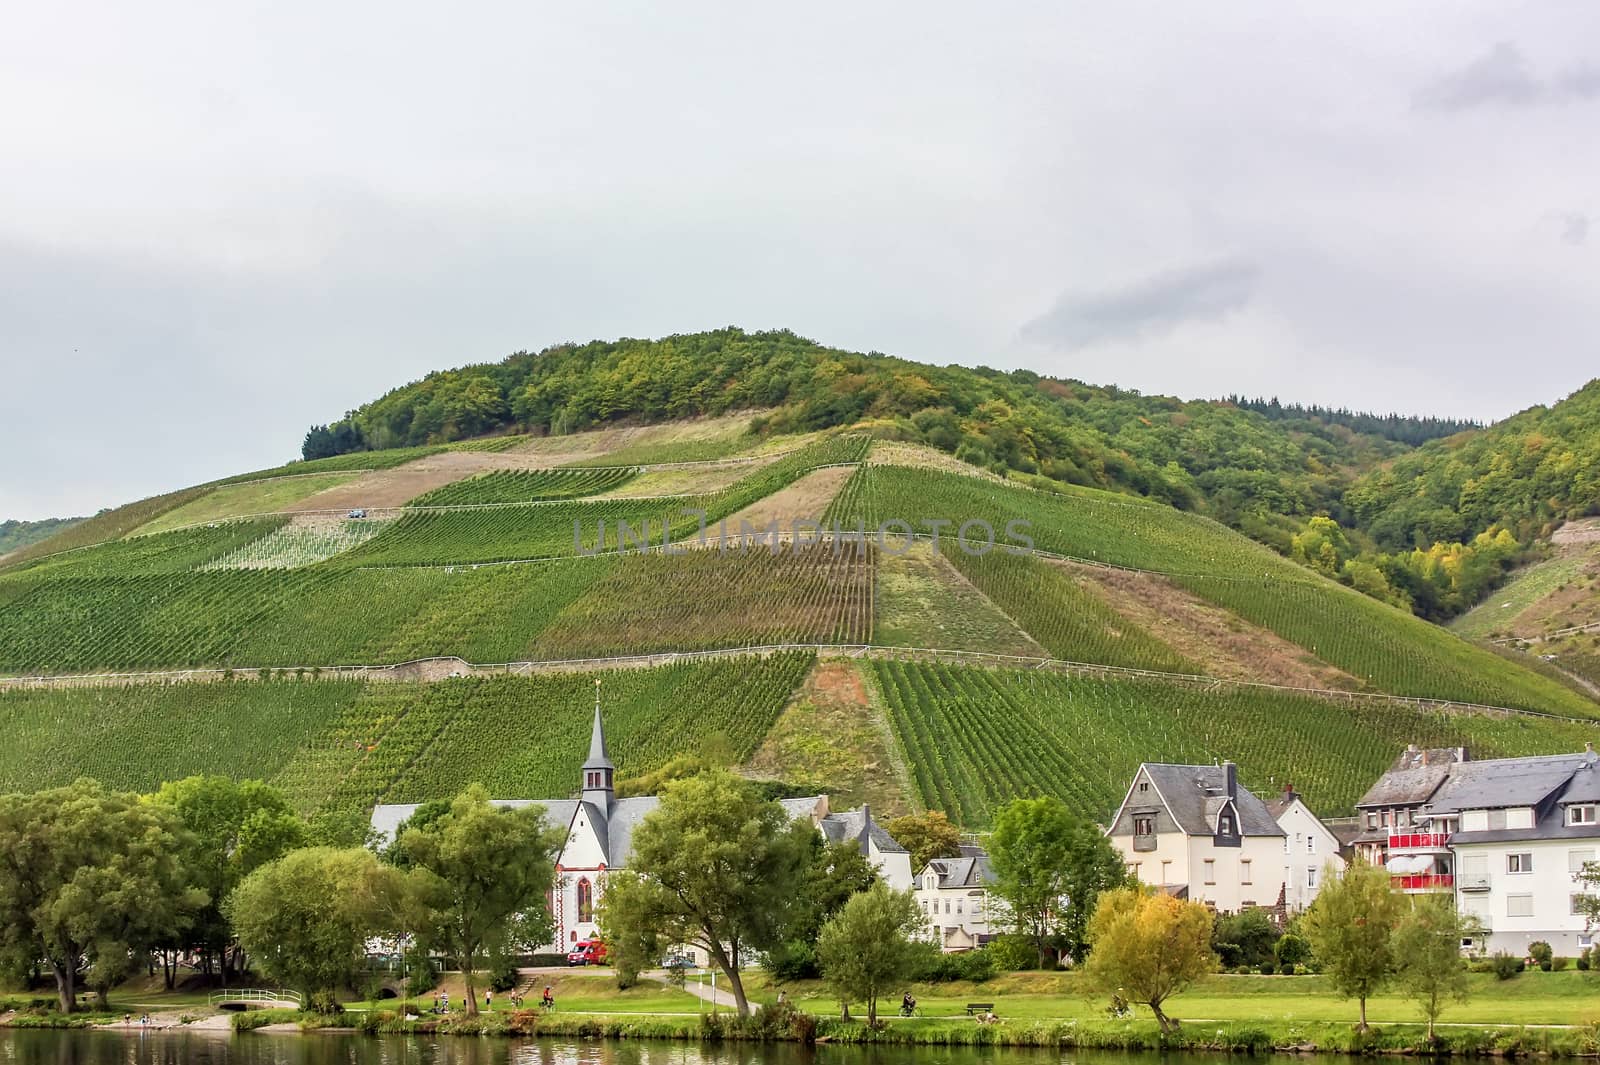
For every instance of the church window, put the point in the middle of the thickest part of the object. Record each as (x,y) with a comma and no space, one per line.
(585,900)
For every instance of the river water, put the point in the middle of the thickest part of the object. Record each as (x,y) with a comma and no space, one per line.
(31,1047)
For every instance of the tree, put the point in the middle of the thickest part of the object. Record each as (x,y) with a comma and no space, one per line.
(866,948)
(1351,929)
(1245,938)
(1050,867)
(236,827)
(834,873)
(482,874)
(1587,903)
(713,865)
(927,836)
(307,916)
(1427,944)
(88,876)
(1150,946)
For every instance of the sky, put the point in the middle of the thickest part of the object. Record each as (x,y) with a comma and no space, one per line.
(225,222)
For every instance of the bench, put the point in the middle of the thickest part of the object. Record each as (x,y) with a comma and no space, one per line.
(979,1007)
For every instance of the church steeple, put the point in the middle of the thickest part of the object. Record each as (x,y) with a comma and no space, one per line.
(597,769)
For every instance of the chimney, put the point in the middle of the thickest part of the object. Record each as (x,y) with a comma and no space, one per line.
(1589,757)
(1289,793)
(1231,776)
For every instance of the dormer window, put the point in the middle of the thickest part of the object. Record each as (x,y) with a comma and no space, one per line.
(1144,826)
(1581,815)
(1225,825)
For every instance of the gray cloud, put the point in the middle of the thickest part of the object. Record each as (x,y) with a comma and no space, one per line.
(1574,228)
(1148,307)
(1502,76)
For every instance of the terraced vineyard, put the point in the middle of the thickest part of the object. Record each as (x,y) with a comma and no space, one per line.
(1387,648)
(975,738)
(526,486)
(170,552)
(708,599)
(137,736)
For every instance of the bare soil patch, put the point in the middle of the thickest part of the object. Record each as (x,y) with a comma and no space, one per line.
(829,738)
(804,500)
(921,456)
(687,480)
(1223,644)
(1584,531)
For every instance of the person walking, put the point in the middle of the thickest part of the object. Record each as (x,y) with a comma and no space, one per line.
(488,999)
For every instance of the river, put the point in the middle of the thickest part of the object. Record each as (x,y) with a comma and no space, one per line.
(76,1047)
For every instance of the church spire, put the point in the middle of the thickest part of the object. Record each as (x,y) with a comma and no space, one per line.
(598,770)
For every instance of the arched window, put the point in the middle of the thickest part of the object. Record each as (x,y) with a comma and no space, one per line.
(585,900)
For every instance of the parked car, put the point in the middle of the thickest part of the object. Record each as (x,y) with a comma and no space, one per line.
(678,960)
(587,952)
(359,512)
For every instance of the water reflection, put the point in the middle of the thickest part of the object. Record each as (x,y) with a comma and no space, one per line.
(22,1047)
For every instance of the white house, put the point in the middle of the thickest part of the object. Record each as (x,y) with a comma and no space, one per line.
(599,831)
(1521,829)
(1194,831)
(1311,850)
(954,896)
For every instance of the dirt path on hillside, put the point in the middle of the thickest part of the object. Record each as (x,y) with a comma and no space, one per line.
(804,500)
(1225,644)
(829,739)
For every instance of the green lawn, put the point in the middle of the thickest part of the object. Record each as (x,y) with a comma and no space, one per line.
(1532,998)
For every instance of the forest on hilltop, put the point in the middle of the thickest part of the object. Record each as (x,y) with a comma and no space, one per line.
(1431,527)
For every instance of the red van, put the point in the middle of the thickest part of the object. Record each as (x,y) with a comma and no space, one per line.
(587,952)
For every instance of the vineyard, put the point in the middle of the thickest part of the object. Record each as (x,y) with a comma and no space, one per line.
(170,552)
(524,737)
(244,500)
(302,541)
(138,736)
(975,738)
(526,486)
(1386,648)
(707,599)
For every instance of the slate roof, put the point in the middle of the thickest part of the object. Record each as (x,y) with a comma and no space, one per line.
(968,871)
(386,817)
(1413,778)
(1196,794)
(1504,782)
(858,824)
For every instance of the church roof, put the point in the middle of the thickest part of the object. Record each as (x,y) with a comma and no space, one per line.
(599,757)
(858,825)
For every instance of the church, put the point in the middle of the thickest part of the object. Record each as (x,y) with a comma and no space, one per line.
(599,831)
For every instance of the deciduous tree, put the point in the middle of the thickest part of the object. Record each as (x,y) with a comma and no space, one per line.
(1149,946)
(481,874)
(1427,947)
(88,876)
(927,836)
(1351,928)
(307,916)
(866,948)
(713,865)
(1050,867)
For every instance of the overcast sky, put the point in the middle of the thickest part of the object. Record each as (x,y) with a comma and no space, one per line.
(223,222)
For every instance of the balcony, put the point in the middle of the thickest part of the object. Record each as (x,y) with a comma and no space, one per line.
(1423,882)
(1419,841)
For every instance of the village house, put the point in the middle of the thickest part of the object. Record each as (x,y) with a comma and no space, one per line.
(1312,850)
(1395,827)
(599,829)
(954,896)
(1195,832)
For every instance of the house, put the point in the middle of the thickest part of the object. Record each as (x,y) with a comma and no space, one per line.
(1395,831)
(1312,850)
(599,829)
(1520,830)
(1194,831)
(954,896)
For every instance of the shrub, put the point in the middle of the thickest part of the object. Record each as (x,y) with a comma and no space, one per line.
(1541,953)
(1292,951)
(504,978)
(1267,968)
(1012,953)
(1557,963)
(1583,961)
(1505,966)
(420,977)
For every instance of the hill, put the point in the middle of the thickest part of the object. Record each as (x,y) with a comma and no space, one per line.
(19,534)
(394,624)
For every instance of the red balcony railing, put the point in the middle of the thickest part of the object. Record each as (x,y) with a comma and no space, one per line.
(1419,841)
(1423,881)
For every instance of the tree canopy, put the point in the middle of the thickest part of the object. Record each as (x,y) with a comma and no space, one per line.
(866,949)
(1151,946)
(1351,928)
